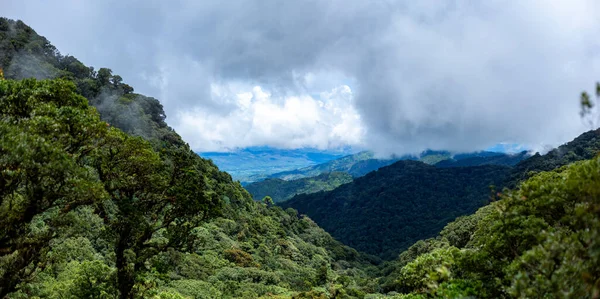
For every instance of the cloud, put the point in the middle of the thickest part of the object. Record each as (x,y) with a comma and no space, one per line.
(459,76)
(258,118)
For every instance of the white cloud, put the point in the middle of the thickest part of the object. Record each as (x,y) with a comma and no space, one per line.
(458,75)
(260,118)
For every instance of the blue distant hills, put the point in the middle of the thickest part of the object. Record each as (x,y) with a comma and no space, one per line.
(256,163)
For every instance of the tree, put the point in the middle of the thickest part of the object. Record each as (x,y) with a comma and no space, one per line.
(268,201)
(149,195)
(47,132)
(589,111)
(104,75)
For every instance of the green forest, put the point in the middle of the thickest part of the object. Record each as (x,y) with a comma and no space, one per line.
(330,175)
(100,198)
(388,210)
(280,190)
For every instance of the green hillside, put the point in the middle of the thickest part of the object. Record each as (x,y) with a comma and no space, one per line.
(386,211)
(97,206)
(389,209)
(541,241)
(584,147)
(497,159)
(359,165)
(280,190)
(100,198)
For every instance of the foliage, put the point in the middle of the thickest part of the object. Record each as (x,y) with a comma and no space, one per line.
(125,208)
(496,159)
(538,241)
(280,190)
(387,210)
(584,147)
(91,209)
(589,108)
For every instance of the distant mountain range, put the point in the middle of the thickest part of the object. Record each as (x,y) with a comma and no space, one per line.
(484,158)
(280,190)
(257,163)
(284,185)
(385,211)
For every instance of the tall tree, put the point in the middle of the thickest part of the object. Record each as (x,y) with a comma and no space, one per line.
(46,133)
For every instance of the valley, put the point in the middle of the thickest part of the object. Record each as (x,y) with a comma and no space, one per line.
(102,198)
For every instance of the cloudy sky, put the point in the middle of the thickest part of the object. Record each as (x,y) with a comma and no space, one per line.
(391,76)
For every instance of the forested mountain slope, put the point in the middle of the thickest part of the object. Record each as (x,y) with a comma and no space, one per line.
(361,164)
(497,159)
(359,214)
(585,146)
(541,241)
(365,160)
(280,190)
(389,209)
(96,206)
(110,202)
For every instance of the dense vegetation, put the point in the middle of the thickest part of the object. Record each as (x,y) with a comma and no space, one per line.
(584,147)
(360,164)
(370,213)
(280,190)
(389,209)
(99,198)
(496,159)
(539,241)
(89,210)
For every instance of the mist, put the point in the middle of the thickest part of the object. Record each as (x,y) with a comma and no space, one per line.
(461,76)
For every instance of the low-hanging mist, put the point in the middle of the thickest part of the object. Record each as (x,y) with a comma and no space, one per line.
(393,76)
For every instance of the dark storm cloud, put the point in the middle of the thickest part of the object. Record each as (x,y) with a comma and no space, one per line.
(456,76)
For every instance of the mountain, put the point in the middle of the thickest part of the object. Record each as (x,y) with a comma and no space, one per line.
(360,164)
(256,163)
(485,159)
(326,176)
(387,210)
(343,164)
(585,146)
(280,190)
(95,205)
(101,199)
(364,162)
(540,241)
(379,213)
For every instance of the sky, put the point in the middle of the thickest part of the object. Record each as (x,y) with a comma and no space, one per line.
(394,77)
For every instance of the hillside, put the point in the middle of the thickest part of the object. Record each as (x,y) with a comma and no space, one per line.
(495,159)
(585,146)
(97,205)
(541,241)
(364,162)
(339,212)
(257,163)
(387,210)
(100,198)
(343,164)
(280,190)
